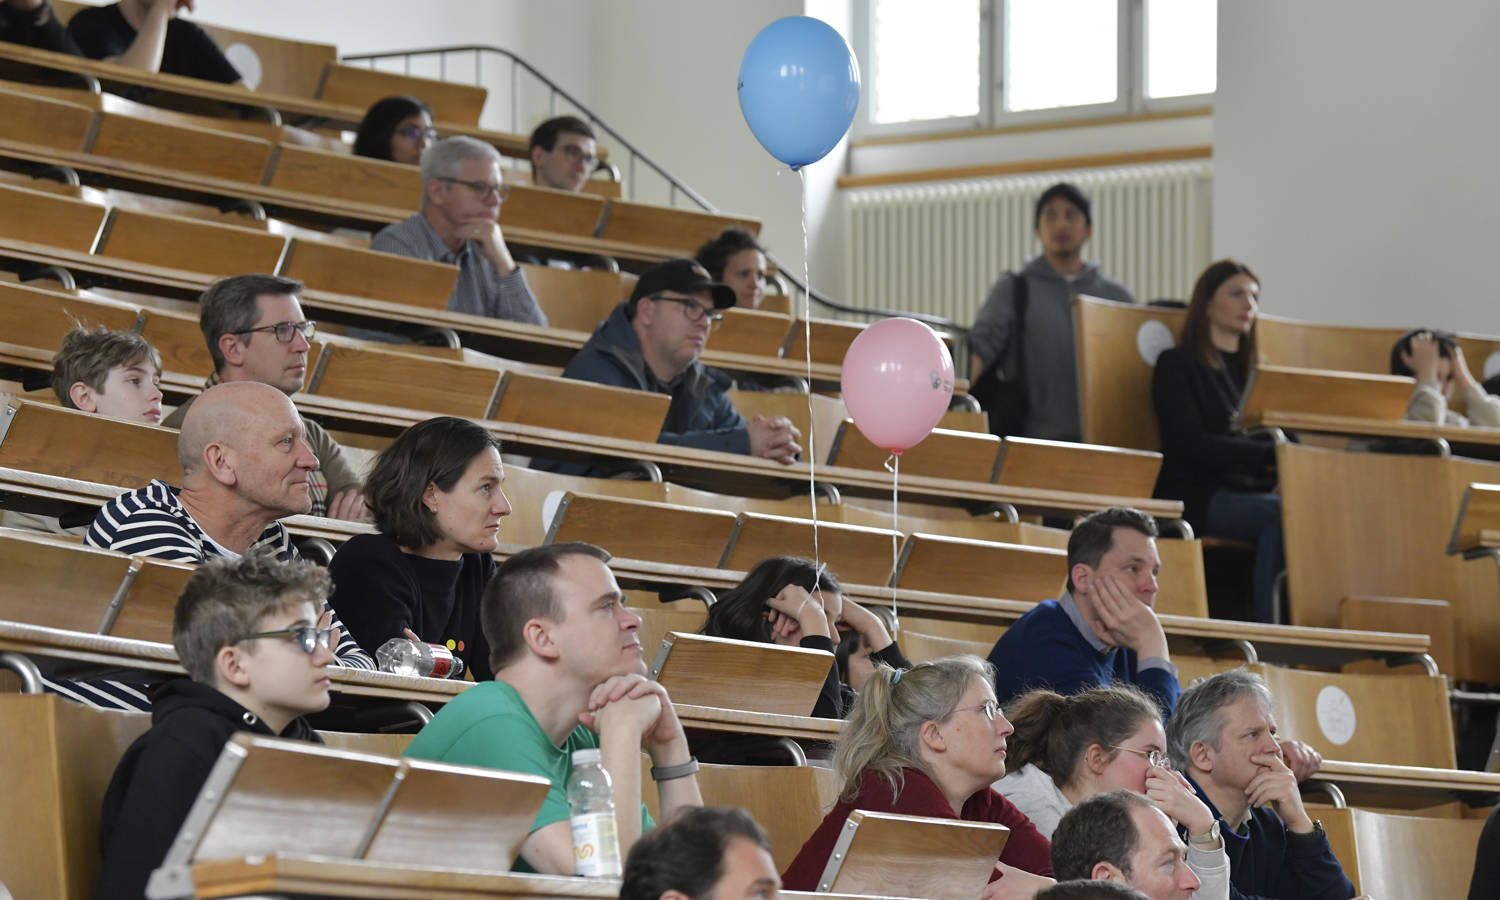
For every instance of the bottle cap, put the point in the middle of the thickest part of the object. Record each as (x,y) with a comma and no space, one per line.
(585,757)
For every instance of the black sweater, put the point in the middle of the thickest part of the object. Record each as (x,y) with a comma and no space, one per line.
(1201,453)
(159,777)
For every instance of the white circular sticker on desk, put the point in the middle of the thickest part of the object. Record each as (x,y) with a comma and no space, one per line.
(1492,365)
(1335,715)
(247,62)
(1152,338)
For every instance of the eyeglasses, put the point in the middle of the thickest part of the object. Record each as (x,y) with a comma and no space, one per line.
(576,154)
(414,132)
(695,311)
(285,330)
(481,189)
(308,637)
(990,708)
(1154,757)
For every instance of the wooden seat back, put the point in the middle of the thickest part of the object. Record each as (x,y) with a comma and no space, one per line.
(786,800)
(753,332)
(1390,718)
(959,455)
(360,87)
(51,440)
(920,647)
(966,420)
(827,413)
(286,66)
(1403,615)
(680,230)
(1192,668)
(550,210)
(137,238)
(179,339)
(582,407)
(535,496)
(46,122)
(659,621)
(931,562)
(793,507)
(856,553)
(353,179)
(436,386)
(699,670)
(988,527)
(51,789)
(830,340)
(41,217)
(1313,345)
(1478,521)
(1181,586)
(634,529)
(1086,468)
(52,582)
(267,795)
(1323,392)
(148,600)
(181,147)
(337,269)
(884,854)
(577,300)
(1114,378)
(1389,855)
(38,318)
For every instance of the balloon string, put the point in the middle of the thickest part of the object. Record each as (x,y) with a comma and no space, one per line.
(893,465)
(812,419)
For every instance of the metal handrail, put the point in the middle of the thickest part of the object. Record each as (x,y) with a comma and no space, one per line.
(674,185)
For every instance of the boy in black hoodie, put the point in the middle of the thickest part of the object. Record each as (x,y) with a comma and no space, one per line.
(249,634)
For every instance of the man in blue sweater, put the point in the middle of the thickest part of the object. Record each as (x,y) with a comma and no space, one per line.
(651,342)
(1103,629)
(1223,738)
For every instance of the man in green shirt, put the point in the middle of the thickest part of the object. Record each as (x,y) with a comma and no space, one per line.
(569,675)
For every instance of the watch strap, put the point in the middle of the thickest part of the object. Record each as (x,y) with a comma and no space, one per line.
(681,770)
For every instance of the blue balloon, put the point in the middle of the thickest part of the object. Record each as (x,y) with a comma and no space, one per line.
(799,88)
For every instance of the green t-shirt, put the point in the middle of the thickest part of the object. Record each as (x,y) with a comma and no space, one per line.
(489,725)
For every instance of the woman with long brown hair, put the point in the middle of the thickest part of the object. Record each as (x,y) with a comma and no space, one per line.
(1225,478)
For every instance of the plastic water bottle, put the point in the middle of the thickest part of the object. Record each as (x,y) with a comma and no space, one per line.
(401,656)
(591,801)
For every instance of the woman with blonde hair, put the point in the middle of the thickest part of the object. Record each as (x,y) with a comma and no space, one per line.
(929,742)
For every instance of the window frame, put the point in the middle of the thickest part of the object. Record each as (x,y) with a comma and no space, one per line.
(1131,61)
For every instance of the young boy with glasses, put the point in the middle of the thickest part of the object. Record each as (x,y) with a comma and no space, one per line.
(250,633)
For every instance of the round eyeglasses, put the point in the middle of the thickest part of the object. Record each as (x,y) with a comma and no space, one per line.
(1157,758)
(990,708)
(308,637)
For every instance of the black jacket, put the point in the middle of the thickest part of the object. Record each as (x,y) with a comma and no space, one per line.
(1201,452)
(159,777)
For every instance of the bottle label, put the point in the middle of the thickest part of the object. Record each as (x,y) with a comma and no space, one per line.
(596,845)
(442,661)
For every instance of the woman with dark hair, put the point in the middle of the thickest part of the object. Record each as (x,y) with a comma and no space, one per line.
(928,742)
(436,497)
(397,129)
(791,601)
(1225,478)
(734,258)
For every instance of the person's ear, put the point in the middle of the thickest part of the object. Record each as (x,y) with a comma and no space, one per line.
(429,497)
(1201,755)
(218,463)
(83,397)
(1088,230)
(536,162)
(645,311)
(229,663)
(537,634)
(932,737)
(1096,758)
(432,189)
(1104,871)
(1083,578)
(232,349)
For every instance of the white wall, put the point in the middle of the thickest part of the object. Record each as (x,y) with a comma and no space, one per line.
(1355,158)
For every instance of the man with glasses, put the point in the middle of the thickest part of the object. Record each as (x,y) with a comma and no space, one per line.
(563,153)
(462,190)
(255,331)
(652,342)
(253,634)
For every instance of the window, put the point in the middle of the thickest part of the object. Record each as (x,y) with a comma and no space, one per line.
(984,63)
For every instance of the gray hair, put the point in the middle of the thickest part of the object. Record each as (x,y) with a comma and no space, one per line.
(883,734)
(441,159)
(1198,716)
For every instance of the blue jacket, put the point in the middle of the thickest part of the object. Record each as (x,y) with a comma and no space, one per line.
(1043,649)
(1266,861)
(700,415)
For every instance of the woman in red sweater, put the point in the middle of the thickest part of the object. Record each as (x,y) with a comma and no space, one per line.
(929,742)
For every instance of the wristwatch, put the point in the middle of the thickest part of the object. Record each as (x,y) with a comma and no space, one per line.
(1317,834)
(1211,836)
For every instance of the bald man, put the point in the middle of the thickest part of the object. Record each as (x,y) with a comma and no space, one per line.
(245,463)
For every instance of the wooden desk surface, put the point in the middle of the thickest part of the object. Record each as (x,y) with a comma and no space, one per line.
(1349,425)
(1408,778)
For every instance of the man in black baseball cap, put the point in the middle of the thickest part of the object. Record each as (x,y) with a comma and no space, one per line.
(652,342)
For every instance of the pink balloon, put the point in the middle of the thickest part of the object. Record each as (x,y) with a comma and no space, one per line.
(897,381)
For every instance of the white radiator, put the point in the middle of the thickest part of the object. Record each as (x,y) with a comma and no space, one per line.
(937,248)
